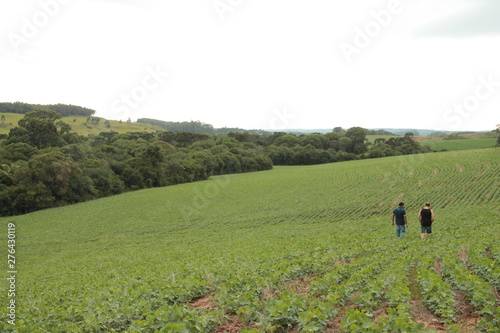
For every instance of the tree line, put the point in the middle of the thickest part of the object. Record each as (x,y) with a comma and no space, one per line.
(197,127)
(43,164)
(63,109)
(336,146)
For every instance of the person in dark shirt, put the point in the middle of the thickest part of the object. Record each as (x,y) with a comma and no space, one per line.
(399,214)
(426,217)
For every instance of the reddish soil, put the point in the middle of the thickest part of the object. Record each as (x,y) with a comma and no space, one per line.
(462,255)
(420,312)
(204,302)
(468,317)
(437,266)
(300,286)
(381,312)
(333,325)
(233,324)
(422,315)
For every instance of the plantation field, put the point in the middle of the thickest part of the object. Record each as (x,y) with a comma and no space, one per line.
(293,249)
(461,144)
(78,126)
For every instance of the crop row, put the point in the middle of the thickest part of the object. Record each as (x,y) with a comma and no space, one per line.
(259,237)
(478,291)
(256,294)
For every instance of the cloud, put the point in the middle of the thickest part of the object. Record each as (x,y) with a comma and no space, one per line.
(477,18)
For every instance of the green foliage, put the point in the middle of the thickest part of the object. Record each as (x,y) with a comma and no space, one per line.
(282,313)
(455,145)
(478,291)
(315,318)
(356,321)
(185,126)
(283,249)
(41,127)
(485,267)
(62,109)
(108,164)
(437,294)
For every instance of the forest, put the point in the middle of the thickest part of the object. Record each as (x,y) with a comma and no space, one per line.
(43,164)
(63,109)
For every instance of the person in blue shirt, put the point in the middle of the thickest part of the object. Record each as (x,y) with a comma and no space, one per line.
(399,214)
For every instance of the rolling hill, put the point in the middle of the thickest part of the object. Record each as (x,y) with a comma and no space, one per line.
(85,125)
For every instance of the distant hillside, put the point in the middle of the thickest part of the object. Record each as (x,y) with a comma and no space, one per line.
(63,109)
(454,141)
(83,125)
(185,126)
(197,127)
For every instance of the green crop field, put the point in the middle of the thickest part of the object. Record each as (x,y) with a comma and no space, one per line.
(294,249)
(461,144)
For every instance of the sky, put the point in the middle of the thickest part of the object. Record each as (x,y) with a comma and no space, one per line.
(256,64)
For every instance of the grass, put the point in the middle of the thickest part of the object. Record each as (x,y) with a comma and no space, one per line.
(136,262)
(11,120)
(466,141)
(461,144)
(80,125)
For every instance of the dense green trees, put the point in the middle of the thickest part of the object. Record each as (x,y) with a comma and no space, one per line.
(185,126)
(336,146)
(41,128)
(63,109)
(397,146)
(43,164)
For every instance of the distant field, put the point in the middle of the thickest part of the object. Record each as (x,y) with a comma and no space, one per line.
(77,125)
(372,138)
(462,144)
(11,120)
(472,141)
(307,249)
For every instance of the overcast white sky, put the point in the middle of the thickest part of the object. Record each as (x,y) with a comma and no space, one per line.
(259,64)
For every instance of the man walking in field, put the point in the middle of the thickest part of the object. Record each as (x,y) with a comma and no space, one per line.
(426,217)
(399,214)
